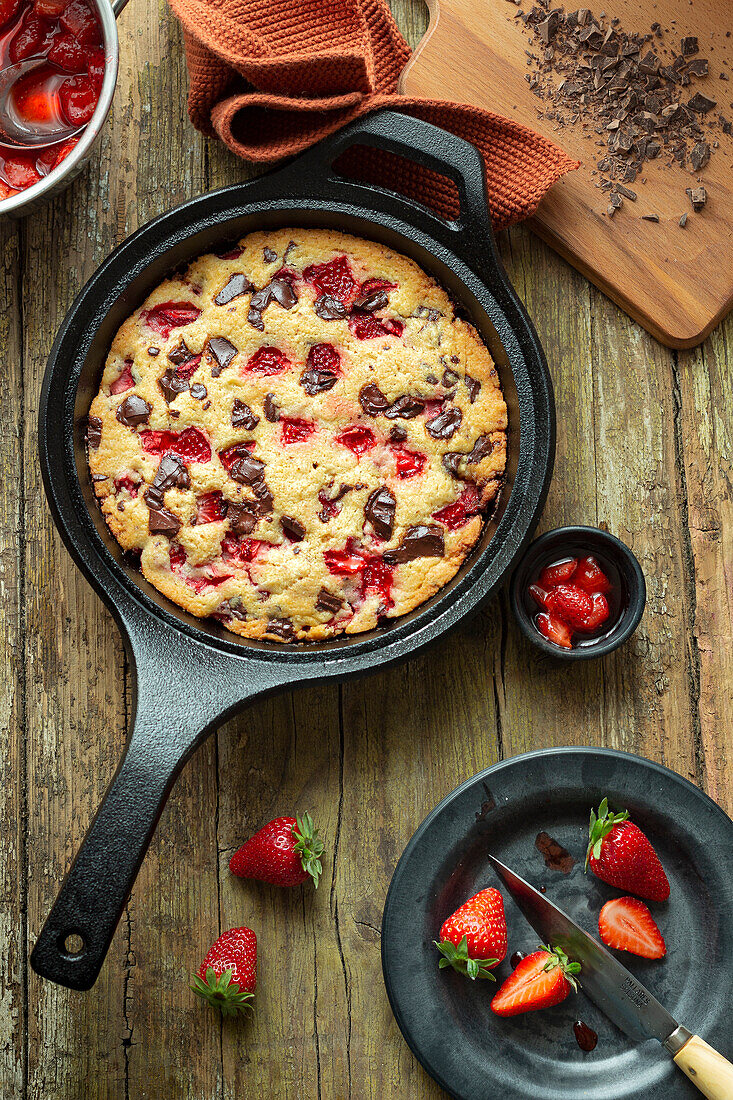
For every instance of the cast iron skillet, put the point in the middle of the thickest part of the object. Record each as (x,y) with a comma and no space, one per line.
(190,675)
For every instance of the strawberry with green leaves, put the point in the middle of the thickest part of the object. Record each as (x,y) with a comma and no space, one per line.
(621,855)
(228,975)
(539,980)
(473,939)
(285,852)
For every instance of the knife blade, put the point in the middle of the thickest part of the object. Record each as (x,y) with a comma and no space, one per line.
(608,983)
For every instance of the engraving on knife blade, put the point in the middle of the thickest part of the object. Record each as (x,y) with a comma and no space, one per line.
(634,992)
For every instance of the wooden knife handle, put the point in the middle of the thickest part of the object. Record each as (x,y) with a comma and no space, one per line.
(709,1071)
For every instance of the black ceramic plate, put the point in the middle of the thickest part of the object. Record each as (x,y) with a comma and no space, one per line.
(446,1019)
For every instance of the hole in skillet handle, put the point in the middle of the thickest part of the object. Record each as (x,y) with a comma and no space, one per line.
(412,140)
(72,945)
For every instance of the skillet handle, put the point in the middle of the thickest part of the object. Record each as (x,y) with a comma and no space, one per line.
(412,138)
(181,694)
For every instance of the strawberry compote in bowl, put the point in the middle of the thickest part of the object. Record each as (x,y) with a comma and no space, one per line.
(58,68)
(578,593)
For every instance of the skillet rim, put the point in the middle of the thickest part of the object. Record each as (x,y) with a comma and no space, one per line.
(451,244)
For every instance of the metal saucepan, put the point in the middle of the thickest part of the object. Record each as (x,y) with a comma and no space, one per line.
(32,198)
(190,675)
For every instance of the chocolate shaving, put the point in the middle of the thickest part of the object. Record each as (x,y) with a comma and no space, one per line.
(180,354)
(235,286)
(282,629)
(326,601)
(370,303)
(380,510)
(160,520)
(241,518)
(172,473)
(278,290)
(270,409)
(698,197)
(372,400)
(423,541)
(473,386)
(171,384)
(404,407)
(223,351)
(243,417)
(699,155)
(445,424)
(330,309)
(94,432)
(293,528)
(316,381)
(701,104)
(133,411)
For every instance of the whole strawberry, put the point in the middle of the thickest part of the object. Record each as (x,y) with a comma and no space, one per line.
(473,939)
(285,852)
(228,975)
(621,855)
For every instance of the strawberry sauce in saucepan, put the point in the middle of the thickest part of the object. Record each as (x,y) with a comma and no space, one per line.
(576,599)
(60,93)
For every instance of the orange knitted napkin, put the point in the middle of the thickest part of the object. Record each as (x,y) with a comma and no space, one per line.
(272,77)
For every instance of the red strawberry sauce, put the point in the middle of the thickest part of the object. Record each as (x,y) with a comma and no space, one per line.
(67,36)
(577,599)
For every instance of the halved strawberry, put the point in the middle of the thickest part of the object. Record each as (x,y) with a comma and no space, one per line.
(555,630)
(539,980)
(599,612)
(621,855)
(591,577)
(558,573)
(473,940)
(571,604)
(627,925)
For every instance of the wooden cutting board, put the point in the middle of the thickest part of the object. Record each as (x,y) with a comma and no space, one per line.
(676,282)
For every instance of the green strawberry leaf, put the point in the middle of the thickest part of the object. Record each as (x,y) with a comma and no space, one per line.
(222,993)
(599,828)
(309,846)
(459,959)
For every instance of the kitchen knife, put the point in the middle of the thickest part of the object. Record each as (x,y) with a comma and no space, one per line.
(617,992)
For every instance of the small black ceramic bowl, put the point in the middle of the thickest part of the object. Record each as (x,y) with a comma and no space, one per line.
(626,601)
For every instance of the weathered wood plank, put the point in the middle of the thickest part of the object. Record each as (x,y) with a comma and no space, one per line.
(705,433)
(13,1005)
(616,466)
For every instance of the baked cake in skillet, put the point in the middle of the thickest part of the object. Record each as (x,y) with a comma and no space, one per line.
(298,436)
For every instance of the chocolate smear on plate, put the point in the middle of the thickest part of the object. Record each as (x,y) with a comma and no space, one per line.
(555,856)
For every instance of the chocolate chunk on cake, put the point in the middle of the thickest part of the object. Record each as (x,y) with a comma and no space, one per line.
(298,448)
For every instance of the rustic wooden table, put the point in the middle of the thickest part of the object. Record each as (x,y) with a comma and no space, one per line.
(644,446)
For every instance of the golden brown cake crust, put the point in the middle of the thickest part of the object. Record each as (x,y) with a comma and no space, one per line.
(298,436)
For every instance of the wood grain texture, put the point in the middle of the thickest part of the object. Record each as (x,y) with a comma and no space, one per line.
(676,283)
(644,445)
